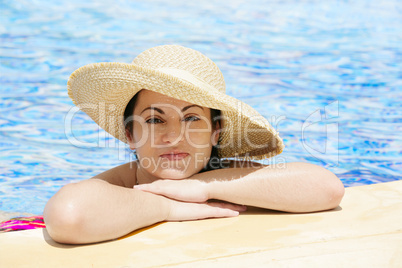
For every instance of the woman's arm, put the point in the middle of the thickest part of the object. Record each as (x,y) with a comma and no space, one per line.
(291,187)
(95,210)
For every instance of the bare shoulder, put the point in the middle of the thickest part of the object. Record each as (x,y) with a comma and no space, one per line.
(243,164)
(123,175)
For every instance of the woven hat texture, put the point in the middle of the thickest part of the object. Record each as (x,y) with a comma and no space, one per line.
(103,90)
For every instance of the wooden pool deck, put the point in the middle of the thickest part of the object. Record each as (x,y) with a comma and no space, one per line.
(365,231)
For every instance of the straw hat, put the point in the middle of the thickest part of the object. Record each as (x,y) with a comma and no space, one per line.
(103,90)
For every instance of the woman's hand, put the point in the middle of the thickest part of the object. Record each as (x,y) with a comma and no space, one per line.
(188,200)
(188,190)
(184,211)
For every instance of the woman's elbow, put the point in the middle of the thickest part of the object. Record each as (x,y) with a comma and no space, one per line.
(62,217)
(335,191)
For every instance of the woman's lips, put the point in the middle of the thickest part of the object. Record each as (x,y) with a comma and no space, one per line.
(174,156)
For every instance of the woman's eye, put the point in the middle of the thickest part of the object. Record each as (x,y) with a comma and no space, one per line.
(191,118)
(153,121)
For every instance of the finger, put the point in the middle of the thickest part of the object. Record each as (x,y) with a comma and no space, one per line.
(152,188)
(146,187)
(240,208)
(163,190)
(196,211)
(142,187)
(189,191)
(208,211)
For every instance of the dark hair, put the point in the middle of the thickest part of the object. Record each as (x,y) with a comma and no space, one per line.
(214,160)
(128,112)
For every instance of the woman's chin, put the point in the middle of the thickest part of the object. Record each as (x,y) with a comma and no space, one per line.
(174,174)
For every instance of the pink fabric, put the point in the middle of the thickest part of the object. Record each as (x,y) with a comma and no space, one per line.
(22,223)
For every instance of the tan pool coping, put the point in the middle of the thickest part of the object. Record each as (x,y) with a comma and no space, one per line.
(365,231)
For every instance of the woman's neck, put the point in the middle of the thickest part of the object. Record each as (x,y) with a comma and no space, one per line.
(142,176)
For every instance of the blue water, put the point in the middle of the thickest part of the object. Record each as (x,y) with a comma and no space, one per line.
(327,74)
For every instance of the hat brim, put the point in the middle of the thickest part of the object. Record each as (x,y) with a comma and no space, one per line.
(103,90)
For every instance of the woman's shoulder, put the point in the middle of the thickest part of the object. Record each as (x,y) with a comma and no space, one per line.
(240,163)
(123,175)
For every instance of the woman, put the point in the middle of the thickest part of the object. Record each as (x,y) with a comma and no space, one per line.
(170,106)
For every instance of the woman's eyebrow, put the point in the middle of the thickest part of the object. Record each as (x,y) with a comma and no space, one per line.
(193,105)
(162,112)
(153,108)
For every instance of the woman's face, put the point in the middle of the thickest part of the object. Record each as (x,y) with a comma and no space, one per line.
(173,138)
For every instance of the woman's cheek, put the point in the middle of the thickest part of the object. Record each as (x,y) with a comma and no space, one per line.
(199,138)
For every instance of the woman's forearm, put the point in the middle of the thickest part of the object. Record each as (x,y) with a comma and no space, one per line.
(293,187)
(94,210)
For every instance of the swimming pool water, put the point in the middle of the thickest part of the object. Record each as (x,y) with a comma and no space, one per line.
(327,74)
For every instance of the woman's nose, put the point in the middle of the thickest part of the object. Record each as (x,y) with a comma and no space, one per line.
(174,133)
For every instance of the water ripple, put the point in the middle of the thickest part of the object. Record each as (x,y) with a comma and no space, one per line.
(312,68)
